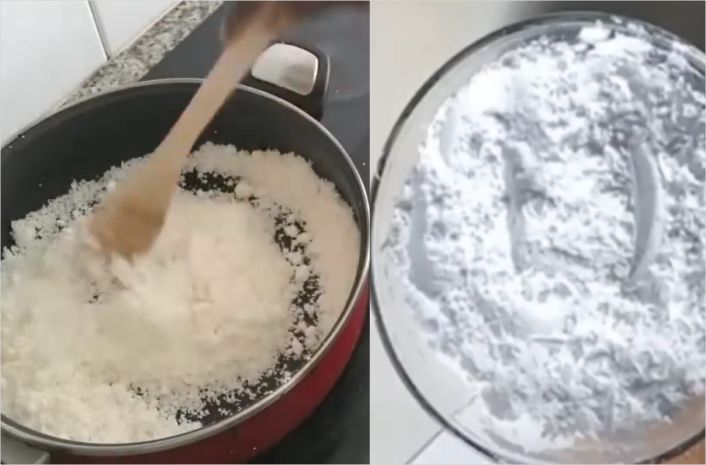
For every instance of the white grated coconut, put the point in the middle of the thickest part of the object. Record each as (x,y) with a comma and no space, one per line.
(117,354)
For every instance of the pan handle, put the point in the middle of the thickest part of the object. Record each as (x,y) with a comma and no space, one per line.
(293,72)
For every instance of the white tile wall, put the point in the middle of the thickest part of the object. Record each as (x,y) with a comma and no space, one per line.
(120,21)
(46,49)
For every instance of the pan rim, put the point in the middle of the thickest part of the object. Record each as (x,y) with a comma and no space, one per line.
(52,443)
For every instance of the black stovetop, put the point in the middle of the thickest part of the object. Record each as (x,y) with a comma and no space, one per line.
(339,430)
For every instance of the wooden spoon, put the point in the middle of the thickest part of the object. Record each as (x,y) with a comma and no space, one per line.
(130,217)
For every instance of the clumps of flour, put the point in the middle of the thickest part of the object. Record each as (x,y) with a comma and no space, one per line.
(516,230)
(239,282)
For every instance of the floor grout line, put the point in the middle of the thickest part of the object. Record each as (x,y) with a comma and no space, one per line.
(424,446)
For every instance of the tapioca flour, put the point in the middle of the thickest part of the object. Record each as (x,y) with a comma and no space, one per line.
(551,237)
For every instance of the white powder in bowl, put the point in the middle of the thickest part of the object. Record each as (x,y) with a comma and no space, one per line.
(519,226)
(139,351)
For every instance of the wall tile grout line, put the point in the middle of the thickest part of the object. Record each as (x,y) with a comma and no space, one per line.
(100,28)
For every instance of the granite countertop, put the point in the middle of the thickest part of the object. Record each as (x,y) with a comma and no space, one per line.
(136,60)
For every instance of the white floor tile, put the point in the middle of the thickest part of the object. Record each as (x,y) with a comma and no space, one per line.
(398,425)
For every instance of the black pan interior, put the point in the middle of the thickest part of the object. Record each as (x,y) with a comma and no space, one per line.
(85,140)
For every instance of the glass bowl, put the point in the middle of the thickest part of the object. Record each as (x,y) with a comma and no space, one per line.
(440,388)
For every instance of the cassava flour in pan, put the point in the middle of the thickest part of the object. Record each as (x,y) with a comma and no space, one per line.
(118,354)
(516,234)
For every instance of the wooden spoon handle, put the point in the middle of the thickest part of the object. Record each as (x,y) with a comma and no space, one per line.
(231,67)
